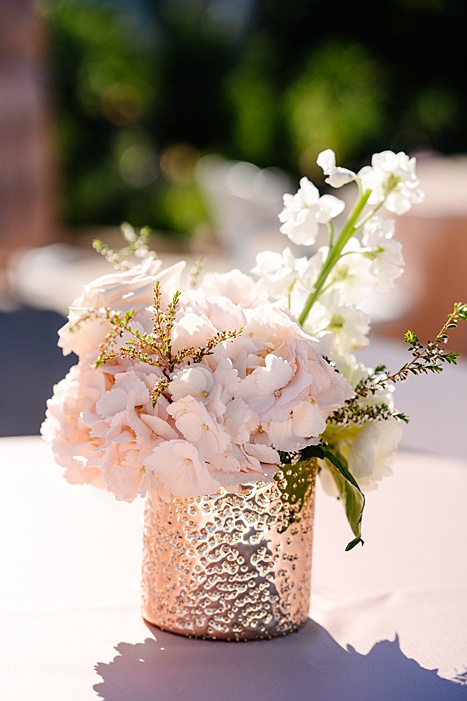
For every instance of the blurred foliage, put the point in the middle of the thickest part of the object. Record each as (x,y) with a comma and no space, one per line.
(142,89)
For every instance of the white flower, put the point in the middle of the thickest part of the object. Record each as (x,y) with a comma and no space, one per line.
(392,180)
(304,211)
(280,271)
(337,177)
(348,365)
(347,325)
(371,454)
(385,253)
(122,291)
(351,275)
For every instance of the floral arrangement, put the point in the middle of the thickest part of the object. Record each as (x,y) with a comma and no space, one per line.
(187,393)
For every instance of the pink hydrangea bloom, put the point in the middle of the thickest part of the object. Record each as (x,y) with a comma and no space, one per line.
(219,422)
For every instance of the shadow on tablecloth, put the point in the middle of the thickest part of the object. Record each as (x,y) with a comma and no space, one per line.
(308,665)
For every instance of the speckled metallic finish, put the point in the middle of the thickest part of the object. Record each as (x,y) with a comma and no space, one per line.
(232,566)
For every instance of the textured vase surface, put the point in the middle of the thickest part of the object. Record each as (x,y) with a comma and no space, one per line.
(232,566)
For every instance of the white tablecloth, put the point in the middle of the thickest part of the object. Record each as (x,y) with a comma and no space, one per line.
(388,620)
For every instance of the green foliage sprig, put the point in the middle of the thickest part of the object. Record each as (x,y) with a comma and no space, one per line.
(425,359)
(136,247)
(430,358)
(358,413)
(154,348)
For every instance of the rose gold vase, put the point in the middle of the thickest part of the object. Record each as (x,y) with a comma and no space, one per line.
(232,566)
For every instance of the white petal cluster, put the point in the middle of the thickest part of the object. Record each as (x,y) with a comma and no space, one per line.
(305,211)
(345,325)
(337,176)
(280,272)
(385,253)
(392,181)
(372,452)
(122,291)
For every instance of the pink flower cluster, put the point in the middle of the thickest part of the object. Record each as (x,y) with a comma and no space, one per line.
(219,422)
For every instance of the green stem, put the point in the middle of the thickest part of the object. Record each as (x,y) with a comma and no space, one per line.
(348,230)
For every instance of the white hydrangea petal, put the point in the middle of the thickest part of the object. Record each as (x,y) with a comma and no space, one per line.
(276,374)
(177,469)
(308,421)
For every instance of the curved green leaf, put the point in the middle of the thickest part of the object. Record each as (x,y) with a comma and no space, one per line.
(349,492)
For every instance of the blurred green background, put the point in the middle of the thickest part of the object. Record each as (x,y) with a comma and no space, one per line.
(140,90)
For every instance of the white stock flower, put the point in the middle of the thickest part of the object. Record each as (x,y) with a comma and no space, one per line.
(348,326)
(305,211)
(371,454)
(337,176)
(387,262)
(279,272)
(392,180)
(351,275)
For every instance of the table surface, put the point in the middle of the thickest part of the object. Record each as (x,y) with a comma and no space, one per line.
(388,620)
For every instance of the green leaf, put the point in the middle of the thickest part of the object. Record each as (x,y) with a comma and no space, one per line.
(353,543)
(349,491)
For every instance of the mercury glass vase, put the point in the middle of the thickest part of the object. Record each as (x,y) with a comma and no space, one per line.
(232,566)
